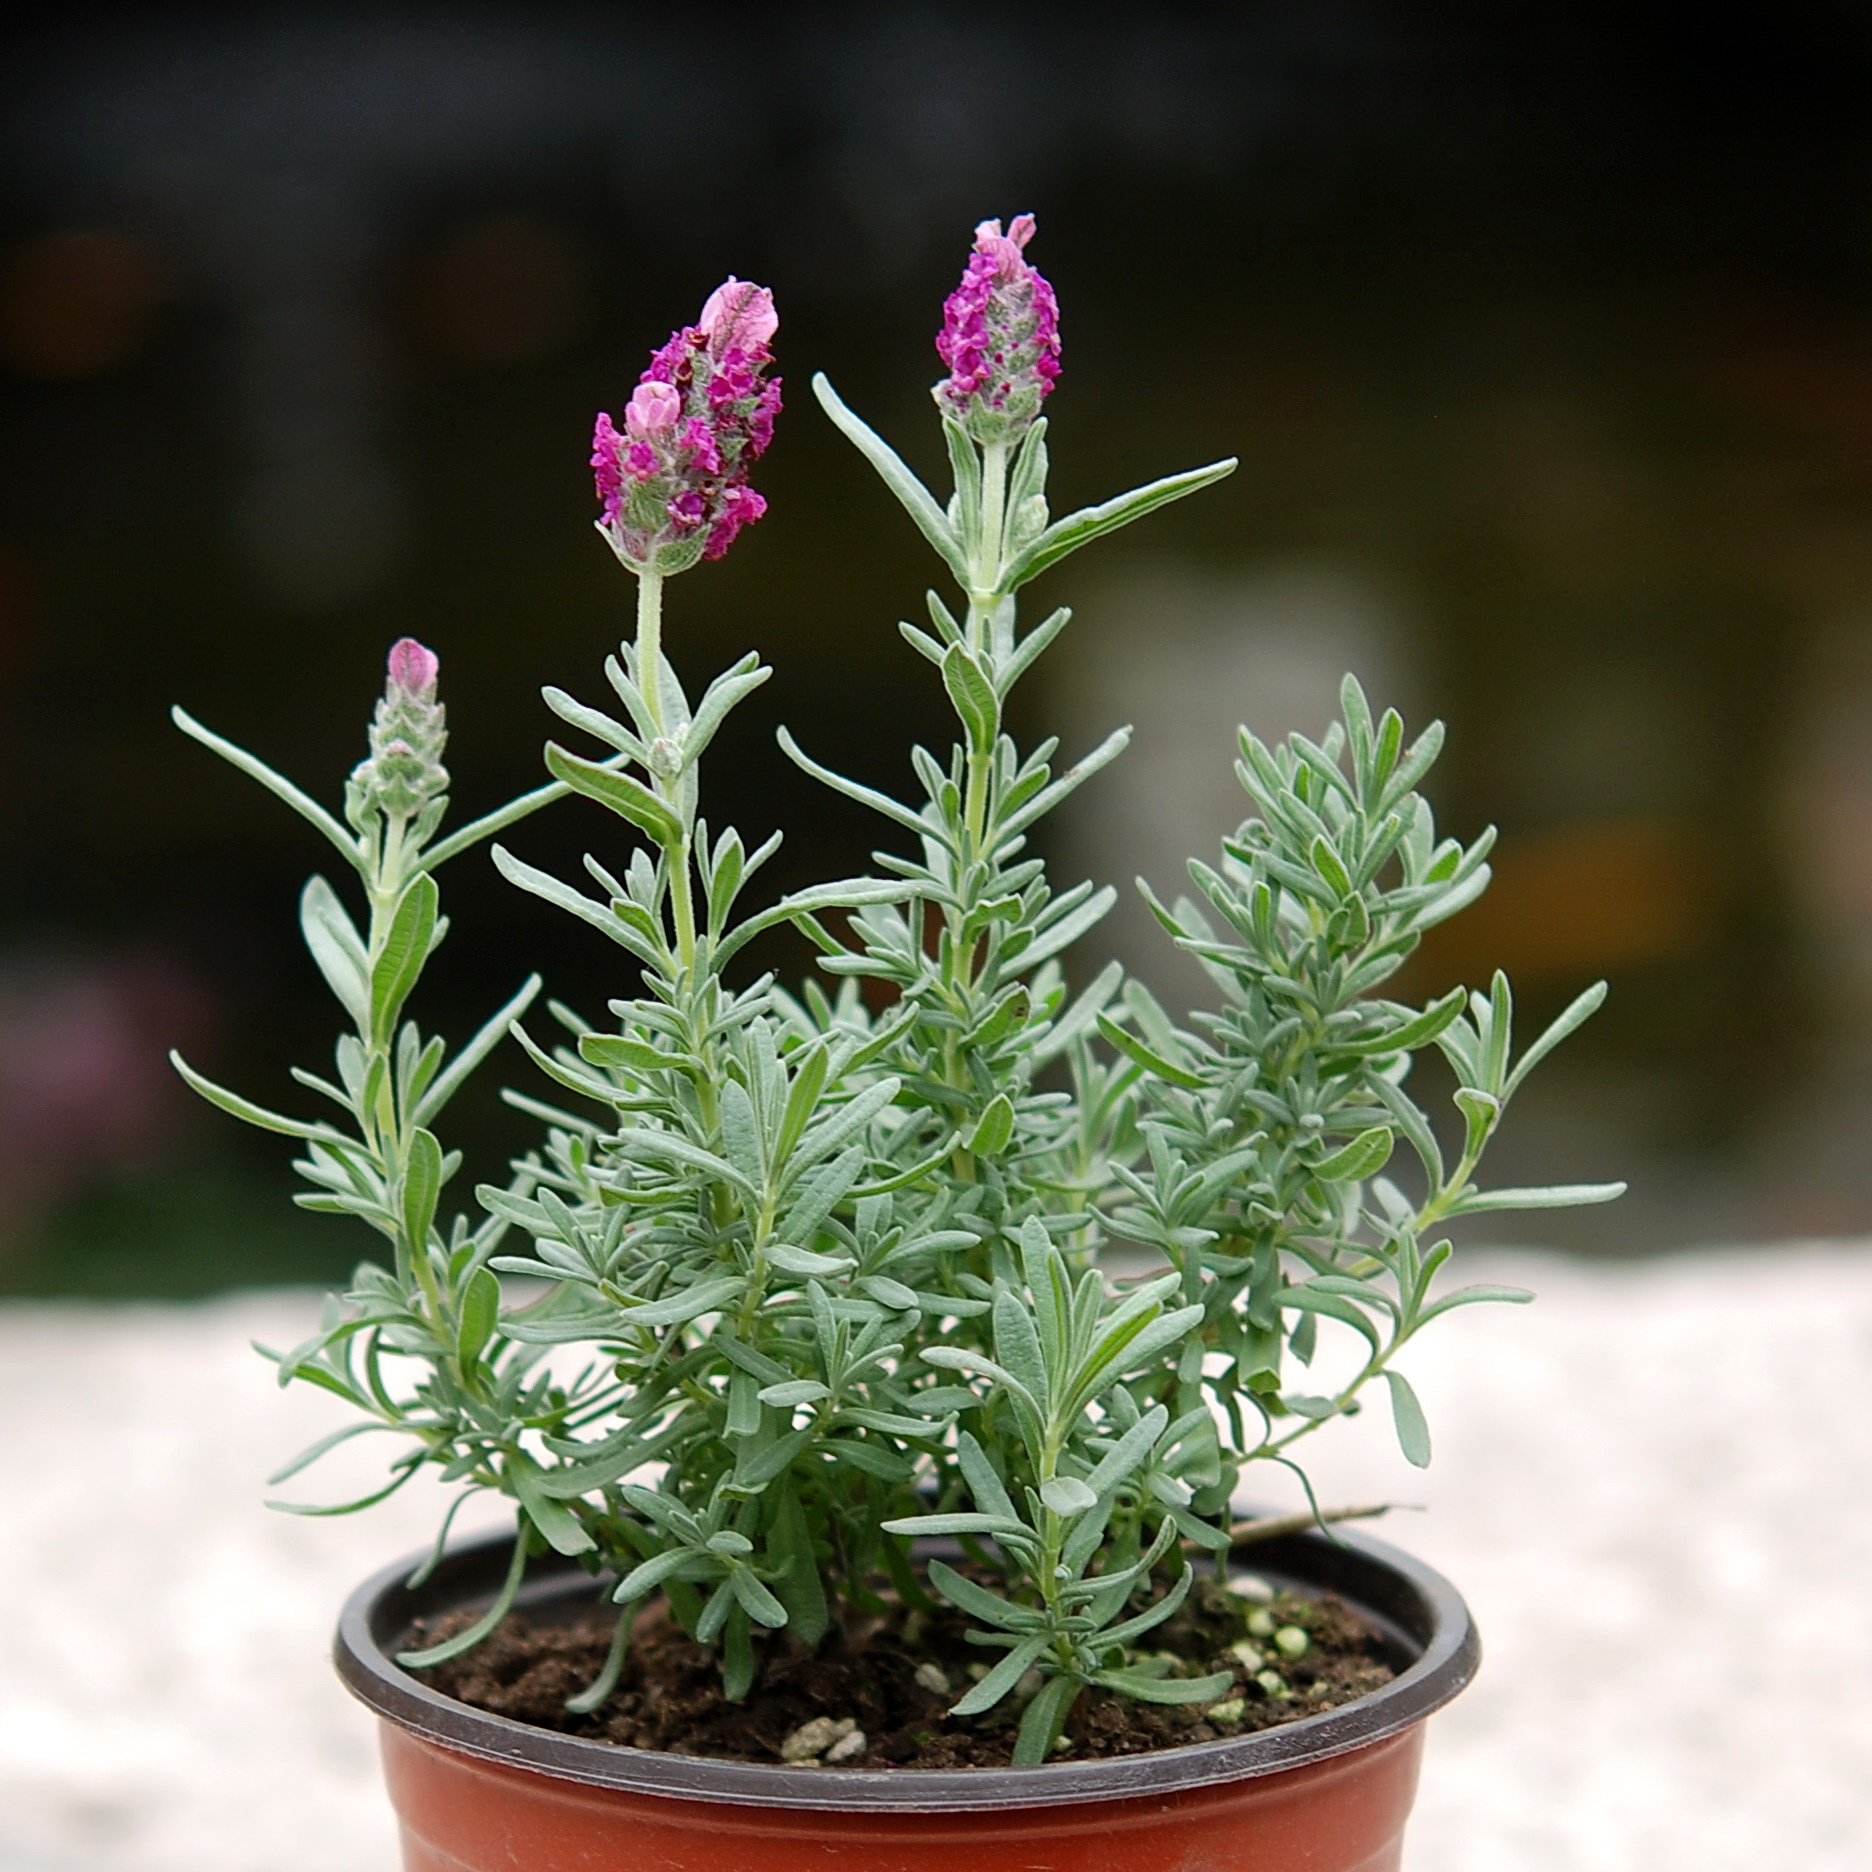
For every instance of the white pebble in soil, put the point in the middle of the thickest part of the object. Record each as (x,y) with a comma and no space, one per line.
(848,1747)
(812,1739)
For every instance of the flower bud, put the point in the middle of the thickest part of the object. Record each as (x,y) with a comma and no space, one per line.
(653,408)
(738,316)
(673,483)
(414,668)
(1000,337)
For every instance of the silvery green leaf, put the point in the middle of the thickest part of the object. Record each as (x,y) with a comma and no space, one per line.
(562,1529)
(1414,1033)
(1153,1615)
(467,1640)
(480,1315)
(544,884)
(791,1260)
(844,1122)
(889,1423)
(1123,1458)
(1479,1294)
(1148,1057)
(337,948)
(870,1458)
(893,1293)
(651,1574)
(984,1485)
(1067,535)
(759,1604)
(432,1102)
(755,1469)
(993,1129)
(1413,1433)
(1042,1720)
(1017,1348)
(1578,1012)
(1066,1495)
(587,1085)
(1068,783)
(250,1113)
(691,1303)
(977,1601)
(1481,1113)
(1030,648)
(1554,1196)
(1166,1689)
(852,789)
(406,946)
(1365,1156)
(422,1186)
(277,784)
(974,697)
(740,1133)
(922,643)
(666,1147)
(1308,1297)
(821,1195)
(594,722)
(312,1452)
(616,1050)
(1001,1679)
(917,501)
(934,1524)
(728,689)
(627,797)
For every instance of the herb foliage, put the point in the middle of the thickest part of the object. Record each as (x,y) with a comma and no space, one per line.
(808,1281)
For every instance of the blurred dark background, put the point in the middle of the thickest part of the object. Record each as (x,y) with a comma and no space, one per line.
(1543,336)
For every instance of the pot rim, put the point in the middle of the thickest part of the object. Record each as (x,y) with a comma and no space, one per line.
(1411,1601)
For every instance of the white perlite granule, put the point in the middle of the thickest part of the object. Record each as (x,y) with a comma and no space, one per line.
(1651,1486)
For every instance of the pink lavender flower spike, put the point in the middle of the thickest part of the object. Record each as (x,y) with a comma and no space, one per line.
(673,479)
(1000,337)
(404,773)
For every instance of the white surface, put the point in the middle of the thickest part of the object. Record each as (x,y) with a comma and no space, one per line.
(1652,1486)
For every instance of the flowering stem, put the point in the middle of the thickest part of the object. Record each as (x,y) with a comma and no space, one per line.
(650,641)
(650,682)
(989,543)
(683,901)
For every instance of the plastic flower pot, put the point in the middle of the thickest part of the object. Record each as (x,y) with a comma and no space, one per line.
(476,1792)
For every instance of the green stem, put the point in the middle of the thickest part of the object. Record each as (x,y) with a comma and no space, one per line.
(976,810)
(682,896)
(650,642)
(989,544)
(650,683)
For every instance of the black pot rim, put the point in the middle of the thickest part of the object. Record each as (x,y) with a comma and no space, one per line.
(1415,1604)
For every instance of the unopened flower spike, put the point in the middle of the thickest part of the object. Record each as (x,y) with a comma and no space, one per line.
(404,771)
(1000,337)
(673,476)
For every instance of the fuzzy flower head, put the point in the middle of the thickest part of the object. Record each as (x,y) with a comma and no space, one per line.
(404,772)
(1000,337)
(673,479)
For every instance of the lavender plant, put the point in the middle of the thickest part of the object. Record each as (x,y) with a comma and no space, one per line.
(808,1281)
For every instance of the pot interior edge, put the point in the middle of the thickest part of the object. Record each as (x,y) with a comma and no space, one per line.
(1418,1612)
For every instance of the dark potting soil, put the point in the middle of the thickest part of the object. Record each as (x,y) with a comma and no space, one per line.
(878,1696)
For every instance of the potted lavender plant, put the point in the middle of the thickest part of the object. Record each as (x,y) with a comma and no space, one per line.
(859,1514)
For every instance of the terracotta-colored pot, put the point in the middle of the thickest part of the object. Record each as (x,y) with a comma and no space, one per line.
(1330,1793)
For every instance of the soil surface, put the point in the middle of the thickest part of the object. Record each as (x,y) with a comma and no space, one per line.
(878,1696)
